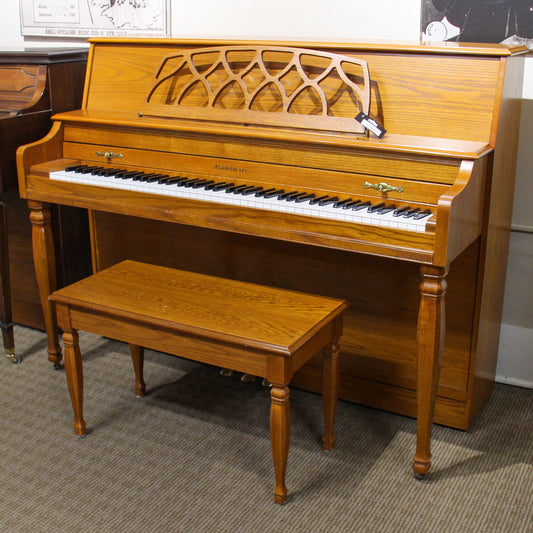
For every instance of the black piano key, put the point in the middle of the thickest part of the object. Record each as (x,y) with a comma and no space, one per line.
(319,199)
(305,198)
(236,189)
(87,170)
(74,168)
(411,213)
(295,197)
(361,205)
(264,191)
(143,176)
(147,177)
(401,211)
(174,180)
(352,204)
(137,176)
(249,189)
(342,203)
(109,172)
(126,174)
(95,171)
(189,183)
(273,194)
(252,190)
(202,184)
(101,171)
(376,208)
(156,177)
(386,209)
(222,186)
(422,214)
(287,195)
(184,182)
(327,201)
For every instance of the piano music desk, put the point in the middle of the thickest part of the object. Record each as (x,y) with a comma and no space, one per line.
(249,328)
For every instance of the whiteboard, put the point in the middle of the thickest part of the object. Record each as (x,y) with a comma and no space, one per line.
(94,18)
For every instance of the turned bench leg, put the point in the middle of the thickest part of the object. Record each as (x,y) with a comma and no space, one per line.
(330,391)
(280,421)
(74,372)
(137,357)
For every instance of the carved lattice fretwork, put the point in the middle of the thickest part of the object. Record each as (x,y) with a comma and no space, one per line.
(275,86)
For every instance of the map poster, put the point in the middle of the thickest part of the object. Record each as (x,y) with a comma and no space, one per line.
(94,18)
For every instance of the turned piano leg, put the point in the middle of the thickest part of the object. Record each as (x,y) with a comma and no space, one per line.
(330,392)
(74,372)
(280,420)
(45,271)
(431,329)
(137,357)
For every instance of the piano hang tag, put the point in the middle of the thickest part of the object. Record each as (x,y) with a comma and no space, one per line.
(370,124)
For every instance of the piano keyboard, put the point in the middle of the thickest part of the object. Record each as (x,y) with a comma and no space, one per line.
(272,199)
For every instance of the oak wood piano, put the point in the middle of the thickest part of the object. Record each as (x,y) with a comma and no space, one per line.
(243,159)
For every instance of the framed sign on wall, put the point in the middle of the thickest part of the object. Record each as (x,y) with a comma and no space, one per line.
(94,18)
(478,21)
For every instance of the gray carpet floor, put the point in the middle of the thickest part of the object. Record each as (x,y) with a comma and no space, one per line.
(194,456)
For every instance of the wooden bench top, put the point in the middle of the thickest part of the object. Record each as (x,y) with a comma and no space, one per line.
(277,320)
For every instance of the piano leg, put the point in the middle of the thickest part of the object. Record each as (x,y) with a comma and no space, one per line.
(45,271)
(74,372)
(280,436)
(430,333)
(6,323)
(137,357)
(330,392)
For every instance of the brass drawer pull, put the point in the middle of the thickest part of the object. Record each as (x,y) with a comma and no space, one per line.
(383,187)
(109,155)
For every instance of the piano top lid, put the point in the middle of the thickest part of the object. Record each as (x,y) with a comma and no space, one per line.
(40,56)
(441,47)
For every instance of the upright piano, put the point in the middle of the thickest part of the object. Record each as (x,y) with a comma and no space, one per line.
(34,84)
(244,159)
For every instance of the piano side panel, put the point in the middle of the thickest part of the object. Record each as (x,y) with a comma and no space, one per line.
(455,101)
(379,340)
(495,244)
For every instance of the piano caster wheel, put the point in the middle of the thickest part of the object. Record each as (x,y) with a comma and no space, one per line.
(13,358)
(58,366)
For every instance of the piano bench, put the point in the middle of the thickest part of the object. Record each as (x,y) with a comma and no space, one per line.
(262,331)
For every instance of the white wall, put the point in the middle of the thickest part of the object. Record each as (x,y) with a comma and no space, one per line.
(363,20)
(318,19)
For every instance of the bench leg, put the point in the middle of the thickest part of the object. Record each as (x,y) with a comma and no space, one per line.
(74,372)
(280,421)
(137,356)
(330,392)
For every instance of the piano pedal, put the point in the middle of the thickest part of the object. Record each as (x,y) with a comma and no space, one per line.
(226,372)
(266,383)
(247,378)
